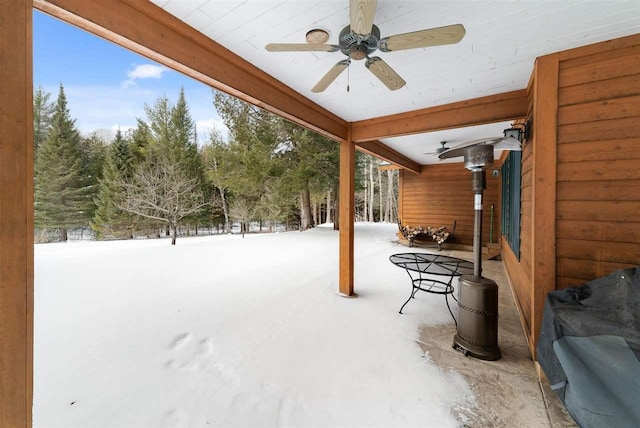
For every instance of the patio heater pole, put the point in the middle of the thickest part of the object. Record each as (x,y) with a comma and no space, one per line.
(478,183)
(477,328)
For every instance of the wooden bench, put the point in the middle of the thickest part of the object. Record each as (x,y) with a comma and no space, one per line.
(438,235)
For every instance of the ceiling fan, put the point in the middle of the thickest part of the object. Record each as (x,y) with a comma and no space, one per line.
(362,37)
(439,149)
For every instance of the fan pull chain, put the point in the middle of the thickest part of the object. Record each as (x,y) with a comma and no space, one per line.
(348,74)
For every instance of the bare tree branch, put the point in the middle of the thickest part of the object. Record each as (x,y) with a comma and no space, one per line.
(162,192)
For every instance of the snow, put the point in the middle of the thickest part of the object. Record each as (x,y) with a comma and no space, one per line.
(235,332)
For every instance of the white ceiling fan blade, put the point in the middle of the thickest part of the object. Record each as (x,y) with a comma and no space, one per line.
(425,38)
(300,47)
(386,74)
(361,14)
(328,78)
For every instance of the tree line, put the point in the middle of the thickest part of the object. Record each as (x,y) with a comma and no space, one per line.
(156,179)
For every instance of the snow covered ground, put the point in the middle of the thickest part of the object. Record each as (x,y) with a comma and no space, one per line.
(233,332)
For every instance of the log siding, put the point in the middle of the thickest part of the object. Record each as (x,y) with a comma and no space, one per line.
(598,189)
(592,96)
(441,194)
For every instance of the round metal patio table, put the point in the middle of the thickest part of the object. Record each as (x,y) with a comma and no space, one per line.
(423,267)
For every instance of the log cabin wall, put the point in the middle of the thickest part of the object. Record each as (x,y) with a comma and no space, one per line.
(580,191)
(441,194)
(598,191)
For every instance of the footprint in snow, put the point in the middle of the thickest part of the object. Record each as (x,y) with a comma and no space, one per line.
(191,355)
(175,418)
(179,341)
(265,404)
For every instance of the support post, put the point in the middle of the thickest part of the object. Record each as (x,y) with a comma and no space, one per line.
(346,213)
(16,213)
(544,182)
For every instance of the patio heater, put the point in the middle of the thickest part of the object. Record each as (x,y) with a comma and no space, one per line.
(477,329)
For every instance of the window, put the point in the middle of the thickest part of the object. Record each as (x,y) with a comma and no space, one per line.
(511,178)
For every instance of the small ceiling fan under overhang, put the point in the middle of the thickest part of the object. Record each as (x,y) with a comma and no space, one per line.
(443,147)
(361,38)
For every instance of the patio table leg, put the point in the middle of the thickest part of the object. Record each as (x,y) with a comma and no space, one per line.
(414,290)
(446,298)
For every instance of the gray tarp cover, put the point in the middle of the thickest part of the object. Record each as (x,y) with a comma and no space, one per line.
(589,348)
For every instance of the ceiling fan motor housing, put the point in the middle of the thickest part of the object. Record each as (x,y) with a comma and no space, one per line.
(358,47)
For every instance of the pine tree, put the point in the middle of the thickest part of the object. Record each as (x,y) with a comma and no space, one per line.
(94,150)
(184,144)
(215,156)
(167,185)
(140,141)
(42,114)
(118,165)
(248,166)
(160,128)
(62,194)
(312,167)
(183,130)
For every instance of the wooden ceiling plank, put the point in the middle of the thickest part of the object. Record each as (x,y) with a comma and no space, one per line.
(495,108)
(379,150)
(148,30)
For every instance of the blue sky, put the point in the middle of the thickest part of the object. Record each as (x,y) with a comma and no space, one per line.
(106,85)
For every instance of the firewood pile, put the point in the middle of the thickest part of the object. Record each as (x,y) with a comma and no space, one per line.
(438,235)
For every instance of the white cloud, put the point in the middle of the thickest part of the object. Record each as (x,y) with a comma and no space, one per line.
(146,71)
(143,71)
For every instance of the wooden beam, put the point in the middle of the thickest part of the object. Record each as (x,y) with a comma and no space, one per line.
(346,219)
(388,167)
(379,150)
(148,30)
(16,213)
(479,111)
(545,163)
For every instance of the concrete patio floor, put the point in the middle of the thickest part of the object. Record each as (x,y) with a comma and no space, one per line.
(508,391)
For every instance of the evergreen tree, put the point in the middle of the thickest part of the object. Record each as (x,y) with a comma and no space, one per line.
(140,141)
(183,129)
(184,144)
(314,165)
(109,220)
(216,162)
(94,149)
(271,164)
(62,192)
(249,166)
(160,126)
(42,114)
(167,185)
